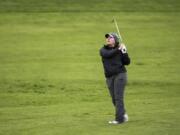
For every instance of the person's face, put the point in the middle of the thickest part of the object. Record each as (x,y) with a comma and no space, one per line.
(110,40)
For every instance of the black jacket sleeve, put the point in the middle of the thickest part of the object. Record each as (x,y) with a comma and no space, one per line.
(105,53)
(125,59)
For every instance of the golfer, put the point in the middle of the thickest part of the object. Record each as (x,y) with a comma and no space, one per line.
(114,58)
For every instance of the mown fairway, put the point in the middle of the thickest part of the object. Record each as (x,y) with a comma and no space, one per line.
(51,76)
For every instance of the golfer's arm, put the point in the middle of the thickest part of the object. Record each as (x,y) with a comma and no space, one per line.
(108,53)
(125,59)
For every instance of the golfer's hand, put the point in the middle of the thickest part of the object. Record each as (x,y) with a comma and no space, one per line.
(122,47)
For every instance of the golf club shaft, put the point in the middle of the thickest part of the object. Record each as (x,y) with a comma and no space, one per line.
(117,28)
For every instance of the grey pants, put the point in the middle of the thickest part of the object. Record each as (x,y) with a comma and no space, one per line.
(116,85)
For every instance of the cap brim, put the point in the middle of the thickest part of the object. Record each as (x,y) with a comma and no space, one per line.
(107,35)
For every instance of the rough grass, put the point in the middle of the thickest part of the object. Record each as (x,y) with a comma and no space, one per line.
(90,6)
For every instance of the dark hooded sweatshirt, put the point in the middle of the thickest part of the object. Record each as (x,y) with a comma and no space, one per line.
(113,60)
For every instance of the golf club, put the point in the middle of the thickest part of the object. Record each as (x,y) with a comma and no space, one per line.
(117,28)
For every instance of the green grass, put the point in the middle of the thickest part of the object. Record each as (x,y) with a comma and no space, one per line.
(91,5)
(51,76)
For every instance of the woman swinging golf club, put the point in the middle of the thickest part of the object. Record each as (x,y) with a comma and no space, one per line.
(114,58)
